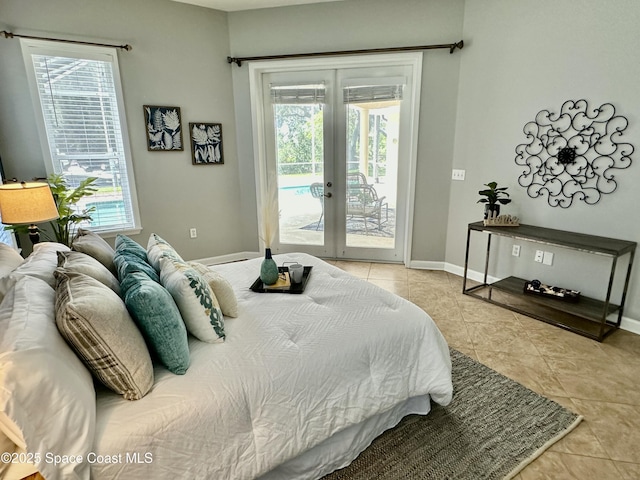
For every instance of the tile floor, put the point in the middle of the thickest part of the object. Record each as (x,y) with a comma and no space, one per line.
(600,381)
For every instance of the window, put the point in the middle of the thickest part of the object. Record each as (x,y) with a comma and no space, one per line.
(77,97)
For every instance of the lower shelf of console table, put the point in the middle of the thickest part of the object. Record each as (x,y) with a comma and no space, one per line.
(587,316)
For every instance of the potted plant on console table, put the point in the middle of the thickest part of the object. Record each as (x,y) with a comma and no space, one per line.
(494,196)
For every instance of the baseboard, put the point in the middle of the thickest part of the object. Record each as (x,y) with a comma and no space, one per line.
(231,257)
(630,325)
(422,265)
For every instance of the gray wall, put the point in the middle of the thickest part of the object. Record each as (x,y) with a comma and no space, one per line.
(178,59)
(359,24)
(522,57)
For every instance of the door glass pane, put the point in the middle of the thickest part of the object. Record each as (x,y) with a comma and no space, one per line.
(300,157)
(372,170)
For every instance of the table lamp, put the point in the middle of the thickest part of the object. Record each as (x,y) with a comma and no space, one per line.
(27,203)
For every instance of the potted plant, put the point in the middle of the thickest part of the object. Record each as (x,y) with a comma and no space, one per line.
(494,197)
(66,199)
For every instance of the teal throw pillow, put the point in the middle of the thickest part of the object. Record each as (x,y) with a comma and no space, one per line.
(127,263)
(153,309)
(126,245)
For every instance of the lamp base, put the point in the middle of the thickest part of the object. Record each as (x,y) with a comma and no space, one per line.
(34,234)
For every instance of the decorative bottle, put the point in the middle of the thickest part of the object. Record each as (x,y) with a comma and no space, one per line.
(268,269)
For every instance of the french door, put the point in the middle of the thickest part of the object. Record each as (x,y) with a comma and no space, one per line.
(339,147)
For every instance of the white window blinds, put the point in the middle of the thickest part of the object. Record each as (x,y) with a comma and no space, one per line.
(80,98)
(377,91)
(298,94)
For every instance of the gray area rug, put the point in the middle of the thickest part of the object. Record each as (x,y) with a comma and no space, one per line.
(492,429)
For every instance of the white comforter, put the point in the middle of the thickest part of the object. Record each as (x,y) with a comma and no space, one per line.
(294,370)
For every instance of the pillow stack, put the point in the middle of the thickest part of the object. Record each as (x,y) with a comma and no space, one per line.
(69,313)
(196,300)
(35,364)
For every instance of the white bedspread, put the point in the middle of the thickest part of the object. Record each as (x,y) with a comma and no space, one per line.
(294,370)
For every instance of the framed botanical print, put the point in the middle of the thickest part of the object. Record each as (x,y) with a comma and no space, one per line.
(206,143)
(164,128)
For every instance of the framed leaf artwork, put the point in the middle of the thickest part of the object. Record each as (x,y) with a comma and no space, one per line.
(164,128)
(206,143)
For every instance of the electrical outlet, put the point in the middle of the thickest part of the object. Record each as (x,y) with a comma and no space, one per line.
(457,174)
(539,256)
(515,250)
(547,258)
(193,233)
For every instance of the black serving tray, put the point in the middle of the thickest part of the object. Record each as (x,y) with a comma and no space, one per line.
(568,295)
(259,287)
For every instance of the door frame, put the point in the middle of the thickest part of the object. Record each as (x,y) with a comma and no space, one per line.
(257,69)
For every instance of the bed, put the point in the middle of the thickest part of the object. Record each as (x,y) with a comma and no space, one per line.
(300,386)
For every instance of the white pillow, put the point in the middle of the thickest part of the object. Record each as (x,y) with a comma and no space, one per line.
(9,259)
(93,244)
(196,301)
(157,248)
(47,399)
(41,264)
(221,288)
(83,263)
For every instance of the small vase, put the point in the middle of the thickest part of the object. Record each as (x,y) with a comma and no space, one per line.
(490,212)
(268,269)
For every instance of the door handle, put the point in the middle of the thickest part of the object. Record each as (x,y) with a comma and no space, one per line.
(328,195)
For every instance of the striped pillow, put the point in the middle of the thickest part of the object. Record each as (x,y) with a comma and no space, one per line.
(94,320)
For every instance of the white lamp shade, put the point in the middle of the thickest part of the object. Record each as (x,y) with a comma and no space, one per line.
(26,203)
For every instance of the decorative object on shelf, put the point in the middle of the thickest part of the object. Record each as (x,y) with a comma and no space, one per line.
(206,143)
(164,128)
(536,287)
(495,196)
(502,221)
(23,204)
(65,200)
(574,154)
(269,226)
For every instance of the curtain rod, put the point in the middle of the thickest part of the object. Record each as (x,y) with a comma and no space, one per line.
(451,46)
(6,34)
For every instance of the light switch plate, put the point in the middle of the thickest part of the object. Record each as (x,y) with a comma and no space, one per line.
(457,174)
(547,258)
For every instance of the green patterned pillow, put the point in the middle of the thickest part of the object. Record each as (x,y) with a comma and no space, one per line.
(156,248)
(195,299)
(95,322)
(221,287)
(158,318)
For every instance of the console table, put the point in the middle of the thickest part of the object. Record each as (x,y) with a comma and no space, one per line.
(586,317)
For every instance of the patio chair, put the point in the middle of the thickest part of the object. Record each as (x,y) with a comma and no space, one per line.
(317,191)
(363,202)
(356,178)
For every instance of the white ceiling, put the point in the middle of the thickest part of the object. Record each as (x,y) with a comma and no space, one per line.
(234,5)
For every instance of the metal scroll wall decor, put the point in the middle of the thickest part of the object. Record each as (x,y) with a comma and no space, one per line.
(574,154)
